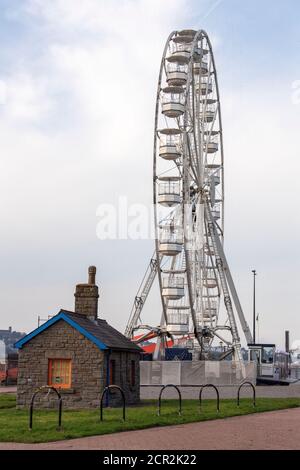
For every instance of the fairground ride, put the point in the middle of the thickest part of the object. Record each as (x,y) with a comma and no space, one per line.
(200,305)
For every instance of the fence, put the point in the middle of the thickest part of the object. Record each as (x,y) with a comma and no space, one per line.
(295,372)
(195,373)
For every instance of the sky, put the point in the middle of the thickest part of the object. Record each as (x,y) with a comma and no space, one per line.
(77,96)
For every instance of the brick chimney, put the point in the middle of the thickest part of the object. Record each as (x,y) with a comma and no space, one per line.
(86,296)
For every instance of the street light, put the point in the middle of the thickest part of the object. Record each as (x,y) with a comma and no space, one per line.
(254,306)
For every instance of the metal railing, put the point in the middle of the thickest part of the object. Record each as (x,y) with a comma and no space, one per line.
(171,234)
(177,318)
(160,394)
(41,389)
(107,390)
(217,392)
(254,392)
(175,67)
(212,305)
(170,141)
(168,188)
(176,281)
(170,98)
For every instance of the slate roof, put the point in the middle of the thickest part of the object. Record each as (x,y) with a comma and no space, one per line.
(97,331)
(108,335)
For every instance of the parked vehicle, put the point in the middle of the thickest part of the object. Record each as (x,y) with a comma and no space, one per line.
(8,366)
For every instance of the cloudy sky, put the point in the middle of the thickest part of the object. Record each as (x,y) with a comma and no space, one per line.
(77,91)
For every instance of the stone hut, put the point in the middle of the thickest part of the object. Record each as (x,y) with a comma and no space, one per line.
(79,354)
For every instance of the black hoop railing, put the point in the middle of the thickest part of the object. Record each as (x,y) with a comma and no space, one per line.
(107,390)
(217,392)
(160,394)
(254,392)
(41,389)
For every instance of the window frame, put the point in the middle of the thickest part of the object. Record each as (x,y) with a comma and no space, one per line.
(132,373)
(112,372)
(51,382)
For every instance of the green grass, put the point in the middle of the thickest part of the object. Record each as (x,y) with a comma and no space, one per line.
(14,423)
(7,401)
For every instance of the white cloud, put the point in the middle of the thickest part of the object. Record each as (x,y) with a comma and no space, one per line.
(262,193)
(3,92)
(76,131)
(123,18)
(26,98)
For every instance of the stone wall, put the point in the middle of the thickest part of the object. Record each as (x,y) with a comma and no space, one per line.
(61,341)
(89,369)
(123,377)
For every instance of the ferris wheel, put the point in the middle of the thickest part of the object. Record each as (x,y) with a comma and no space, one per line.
(195,283)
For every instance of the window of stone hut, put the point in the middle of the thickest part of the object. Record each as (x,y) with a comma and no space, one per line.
(59,373)
(132,373)
(112,372)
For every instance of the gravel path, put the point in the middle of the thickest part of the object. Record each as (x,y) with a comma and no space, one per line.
(272,430)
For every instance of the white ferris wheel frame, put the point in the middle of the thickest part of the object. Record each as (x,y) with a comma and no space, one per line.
(202,259)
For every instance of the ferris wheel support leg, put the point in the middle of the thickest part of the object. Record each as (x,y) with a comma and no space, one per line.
(156,354)
(141,296)
(227,299)
(160,347)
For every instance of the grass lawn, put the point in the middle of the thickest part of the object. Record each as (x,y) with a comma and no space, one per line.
(14,423)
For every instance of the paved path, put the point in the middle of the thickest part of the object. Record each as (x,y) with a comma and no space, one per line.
(8,389)
(272,430)
(273,391)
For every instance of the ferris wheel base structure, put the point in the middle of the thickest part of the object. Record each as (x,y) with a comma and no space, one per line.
(199,302)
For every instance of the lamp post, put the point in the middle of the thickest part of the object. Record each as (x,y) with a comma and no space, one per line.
(254,306)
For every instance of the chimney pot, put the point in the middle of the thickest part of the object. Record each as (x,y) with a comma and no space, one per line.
(92,275)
